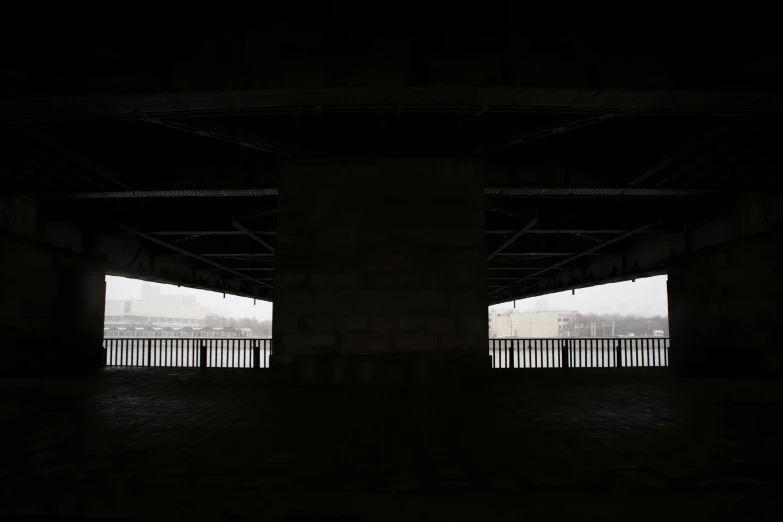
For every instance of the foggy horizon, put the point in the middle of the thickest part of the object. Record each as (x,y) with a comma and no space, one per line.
(645,297)
(232,306)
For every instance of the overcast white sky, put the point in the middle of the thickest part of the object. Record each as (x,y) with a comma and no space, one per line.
(231,306)
(645,297)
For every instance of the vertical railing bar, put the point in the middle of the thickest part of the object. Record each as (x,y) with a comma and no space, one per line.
(536,344)
(636,349)
(666,348)
(655,351)
(650,351)
(550,356)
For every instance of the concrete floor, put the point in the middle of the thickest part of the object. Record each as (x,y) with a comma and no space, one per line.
(227,445)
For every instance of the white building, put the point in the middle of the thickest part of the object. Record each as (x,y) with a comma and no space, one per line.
(156,309)
(531,324)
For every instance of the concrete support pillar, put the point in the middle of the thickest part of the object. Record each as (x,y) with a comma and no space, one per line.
(381,270)
(725,308)
(51,309)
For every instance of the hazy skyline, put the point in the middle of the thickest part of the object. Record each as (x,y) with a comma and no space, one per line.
(645,297)
(124,288)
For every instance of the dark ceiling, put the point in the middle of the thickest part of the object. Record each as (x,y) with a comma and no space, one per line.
(182,99)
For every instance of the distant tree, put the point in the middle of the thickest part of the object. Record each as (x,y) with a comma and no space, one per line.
(212,321)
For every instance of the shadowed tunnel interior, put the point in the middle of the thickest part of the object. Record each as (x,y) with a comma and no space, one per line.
(383,175)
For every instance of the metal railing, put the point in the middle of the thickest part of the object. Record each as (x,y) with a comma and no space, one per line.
(189,353)
(608,352)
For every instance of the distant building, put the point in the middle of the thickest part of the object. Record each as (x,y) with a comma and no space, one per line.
(156,309)
(136,331)
(530,324)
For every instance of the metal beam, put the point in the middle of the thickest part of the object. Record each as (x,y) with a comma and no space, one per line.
(674,155)
(589,251)
(245,269)
(251,235)
(515,192)
(207,193)
(545,133)
(587,236)
(544,231)
(186,238)
(542,254)
(74,155)
(514,268)
(209,232)
(560,101)
(237,255)
(513,238)
(215,135)
(598,192)
(184,252)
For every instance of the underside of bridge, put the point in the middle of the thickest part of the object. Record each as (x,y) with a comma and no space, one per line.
(383,177)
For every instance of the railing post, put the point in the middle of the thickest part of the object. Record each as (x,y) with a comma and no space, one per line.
(203,355)
(508,355)
(149,352)
(564,362)
(618,354)
(256,354)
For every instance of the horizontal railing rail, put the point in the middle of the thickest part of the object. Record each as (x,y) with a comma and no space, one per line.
(574,352)
(188,353)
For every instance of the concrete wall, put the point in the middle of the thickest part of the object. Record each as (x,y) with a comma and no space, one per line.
(725,308)
(382,258)
(51,309)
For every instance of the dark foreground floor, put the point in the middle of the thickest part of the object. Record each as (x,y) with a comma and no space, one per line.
(226,445)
